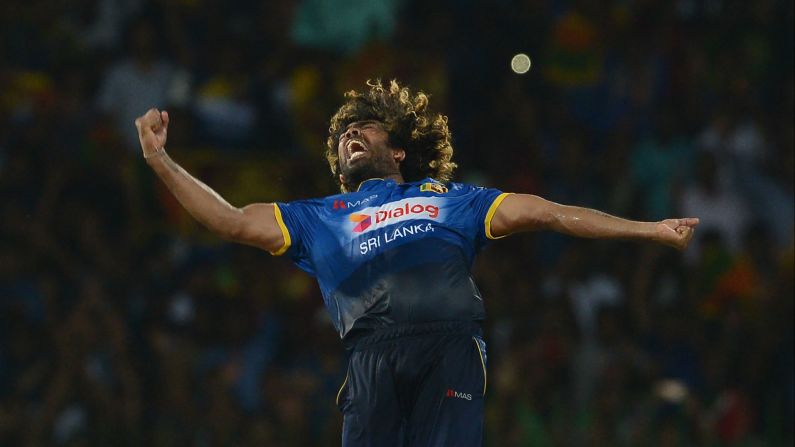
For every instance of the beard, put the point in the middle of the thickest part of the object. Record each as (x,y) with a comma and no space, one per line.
(374,167)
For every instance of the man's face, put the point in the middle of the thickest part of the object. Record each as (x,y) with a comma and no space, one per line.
(364,153)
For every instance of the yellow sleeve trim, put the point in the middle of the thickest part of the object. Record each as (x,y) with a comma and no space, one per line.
(490,215)
(286,234)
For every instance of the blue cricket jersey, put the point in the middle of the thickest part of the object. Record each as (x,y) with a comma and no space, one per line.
(392,253)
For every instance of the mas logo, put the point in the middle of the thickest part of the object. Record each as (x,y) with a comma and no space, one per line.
(453,393)
(433,187)
(340,204)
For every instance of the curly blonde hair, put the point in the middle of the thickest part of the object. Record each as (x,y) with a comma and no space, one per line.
(411,126)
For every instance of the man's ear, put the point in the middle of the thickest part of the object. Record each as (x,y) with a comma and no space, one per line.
(398,155)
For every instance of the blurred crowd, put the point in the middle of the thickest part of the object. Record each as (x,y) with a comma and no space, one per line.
(122,322)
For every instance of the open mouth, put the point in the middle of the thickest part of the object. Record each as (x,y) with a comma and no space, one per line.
(356,149)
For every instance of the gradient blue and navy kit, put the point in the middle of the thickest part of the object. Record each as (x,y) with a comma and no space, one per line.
(393,262)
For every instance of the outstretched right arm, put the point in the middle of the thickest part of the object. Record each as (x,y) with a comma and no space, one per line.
(255,224)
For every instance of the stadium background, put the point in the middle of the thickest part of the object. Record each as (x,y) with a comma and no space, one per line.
(124,323)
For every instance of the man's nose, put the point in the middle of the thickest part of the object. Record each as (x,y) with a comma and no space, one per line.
(352,132)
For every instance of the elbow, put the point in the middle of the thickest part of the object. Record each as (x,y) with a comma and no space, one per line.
(536,215)
(232,228)
(230,235)
(245,230)
(233,233)
(543,219)
(548,220)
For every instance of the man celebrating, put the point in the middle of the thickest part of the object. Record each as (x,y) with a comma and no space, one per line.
(392,255)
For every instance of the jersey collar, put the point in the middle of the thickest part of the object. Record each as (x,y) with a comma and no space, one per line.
(375,183)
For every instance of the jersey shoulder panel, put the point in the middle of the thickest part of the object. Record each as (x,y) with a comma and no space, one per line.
(299,221)
(475,206)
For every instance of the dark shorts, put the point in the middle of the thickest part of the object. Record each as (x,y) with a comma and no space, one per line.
(418,385)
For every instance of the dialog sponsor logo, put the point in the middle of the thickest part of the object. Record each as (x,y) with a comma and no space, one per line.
(432,211)
(362,221)
(402,210)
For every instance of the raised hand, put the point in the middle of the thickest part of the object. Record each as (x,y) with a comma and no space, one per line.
(152,131)
(676,232)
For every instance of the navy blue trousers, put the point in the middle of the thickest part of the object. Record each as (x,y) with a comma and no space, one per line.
(418,385)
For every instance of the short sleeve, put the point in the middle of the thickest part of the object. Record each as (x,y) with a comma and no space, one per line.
(480,205)
(297,220)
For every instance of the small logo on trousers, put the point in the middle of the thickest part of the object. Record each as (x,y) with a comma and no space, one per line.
(456,394)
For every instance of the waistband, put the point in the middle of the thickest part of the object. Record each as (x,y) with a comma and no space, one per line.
(390,333)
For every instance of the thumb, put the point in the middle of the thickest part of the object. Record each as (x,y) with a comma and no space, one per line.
(164,118)
(690,221)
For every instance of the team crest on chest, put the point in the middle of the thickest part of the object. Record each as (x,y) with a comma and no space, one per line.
(433,187)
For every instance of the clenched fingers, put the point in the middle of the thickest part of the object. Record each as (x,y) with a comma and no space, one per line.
(152,119)
(689,221)
(685,234)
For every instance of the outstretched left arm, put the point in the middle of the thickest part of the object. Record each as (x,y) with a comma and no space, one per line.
(524,212)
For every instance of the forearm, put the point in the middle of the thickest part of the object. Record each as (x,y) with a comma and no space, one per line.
(204,204)
(590,223)
(525,212)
